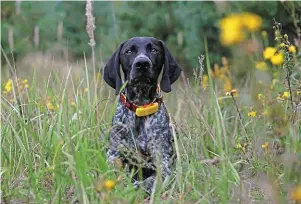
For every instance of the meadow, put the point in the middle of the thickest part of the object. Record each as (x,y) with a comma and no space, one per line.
(236,126)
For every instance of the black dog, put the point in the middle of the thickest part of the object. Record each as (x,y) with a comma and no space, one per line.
(141,136)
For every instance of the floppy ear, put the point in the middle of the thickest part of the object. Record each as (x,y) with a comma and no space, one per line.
(171,71)
(112,71)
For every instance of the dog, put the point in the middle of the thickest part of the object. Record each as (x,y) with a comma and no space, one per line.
(141,135)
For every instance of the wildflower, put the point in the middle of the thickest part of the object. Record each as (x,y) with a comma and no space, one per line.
(216,70)
(86,90)
(205,82)
(292,49)
(286,95)
(225,61)
(8,86)
(231,36)
(252,114)
(25,81)
(259,96)
(251,21)
(298,92)
(265,145)
(264,34)
(50,106)
(269,52)
(72,103)
(109,184)
(231,27)
(26,86)
(277,59)
(227,85)
(262,66)
(296,194)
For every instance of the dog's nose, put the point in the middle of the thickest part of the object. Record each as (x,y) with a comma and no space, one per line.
(142,63)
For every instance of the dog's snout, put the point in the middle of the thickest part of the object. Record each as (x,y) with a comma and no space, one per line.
(142,63)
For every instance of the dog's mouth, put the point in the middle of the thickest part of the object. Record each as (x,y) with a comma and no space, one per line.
(142,80)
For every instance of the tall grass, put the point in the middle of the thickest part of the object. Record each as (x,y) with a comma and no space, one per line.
(57,154)
(54,136)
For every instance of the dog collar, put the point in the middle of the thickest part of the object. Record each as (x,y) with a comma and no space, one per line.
(144,110)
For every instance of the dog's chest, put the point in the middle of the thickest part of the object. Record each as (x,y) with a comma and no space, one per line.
(141,131)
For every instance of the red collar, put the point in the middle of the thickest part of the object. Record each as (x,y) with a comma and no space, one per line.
(133,106)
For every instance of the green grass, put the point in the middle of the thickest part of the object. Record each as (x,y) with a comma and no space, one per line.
(58,156)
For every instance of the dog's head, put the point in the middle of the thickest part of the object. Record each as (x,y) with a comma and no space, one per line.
(142,60)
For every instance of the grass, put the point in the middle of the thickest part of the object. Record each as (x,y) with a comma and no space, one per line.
(54,136)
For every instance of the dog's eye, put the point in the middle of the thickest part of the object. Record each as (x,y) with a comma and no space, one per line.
(154,51)
(128,52)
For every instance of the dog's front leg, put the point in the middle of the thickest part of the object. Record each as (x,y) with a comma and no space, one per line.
(122,122)
(161,150)
(116,136)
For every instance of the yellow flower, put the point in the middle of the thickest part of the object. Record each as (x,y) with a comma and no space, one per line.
(72,103)
(259,96)
(277,59)
(264,34)
(8,86)
(50,106)
(233,20)
(265,145)
(227,85)
(225,61)
(231,30)
(296,194)
(86,90)
(292,49)
(25,81)
(251,21)
(26,86)
(216,70)
(252,114)
(269,52)
(205,82)
(298,92)
(109,184)
(262,66)
(231,36)
(286,94)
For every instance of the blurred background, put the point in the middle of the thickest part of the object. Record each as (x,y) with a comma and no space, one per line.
(57,29)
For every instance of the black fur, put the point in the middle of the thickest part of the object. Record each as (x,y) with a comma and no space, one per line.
(142,142)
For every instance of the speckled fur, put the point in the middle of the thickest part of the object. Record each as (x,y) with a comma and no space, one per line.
(143,144)
(149,138)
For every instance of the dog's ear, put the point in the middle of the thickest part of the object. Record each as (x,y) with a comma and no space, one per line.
(171,71)
(112,71)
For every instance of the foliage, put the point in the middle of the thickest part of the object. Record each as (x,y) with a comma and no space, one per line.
(183,25)
(236,125)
